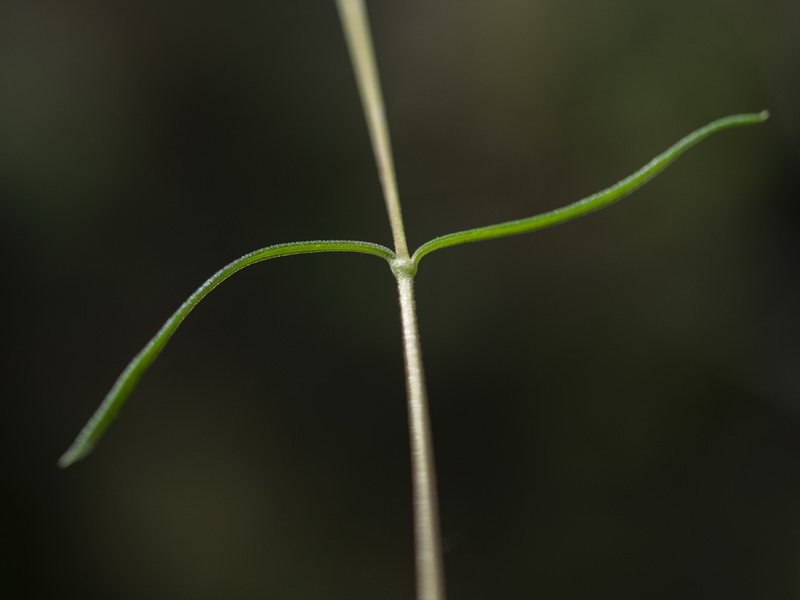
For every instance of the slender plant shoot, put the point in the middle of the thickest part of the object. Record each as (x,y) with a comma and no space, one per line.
(428,547)
(427,535)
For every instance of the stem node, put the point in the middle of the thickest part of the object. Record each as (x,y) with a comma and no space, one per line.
(403,267)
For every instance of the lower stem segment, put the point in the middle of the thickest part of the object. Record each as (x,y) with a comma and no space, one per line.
(427,535)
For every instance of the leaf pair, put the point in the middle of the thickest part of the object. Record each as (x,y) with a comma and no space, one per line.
(127,381)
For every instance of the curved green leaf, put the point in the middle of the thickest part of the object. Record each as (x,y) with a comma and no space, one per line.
(125,384)
(593,202)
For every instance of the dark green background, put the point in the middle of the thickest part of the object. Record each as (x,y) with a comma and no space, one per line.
(615,401)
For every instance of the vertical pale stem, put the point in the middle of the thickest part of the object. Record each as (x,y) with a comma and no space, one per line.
(427,535)
(359,41)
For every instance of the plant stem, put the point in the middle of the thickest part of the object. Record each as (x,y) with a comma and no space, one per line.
(359,40)
(427,535)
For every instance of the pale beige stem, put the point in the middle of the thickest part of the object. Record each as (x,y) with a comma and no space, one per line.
(359,41)
(427,535)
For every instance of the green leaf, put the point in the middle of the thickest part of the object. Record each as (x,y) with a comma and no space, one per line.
(127,381)
(593,202)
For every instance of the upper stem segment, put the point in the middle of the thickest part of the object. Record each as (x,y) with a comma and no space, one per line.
(359,41)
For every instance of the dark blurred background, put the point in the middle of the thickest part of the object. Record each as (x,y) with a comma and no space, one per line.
(616,402)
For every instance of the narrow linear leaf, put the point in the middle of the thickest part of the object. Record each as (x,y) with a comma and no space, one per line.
(127,381)
(595,201)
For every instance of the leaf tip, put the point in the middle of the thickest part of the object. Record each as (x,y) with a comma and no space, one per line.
(73,454)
